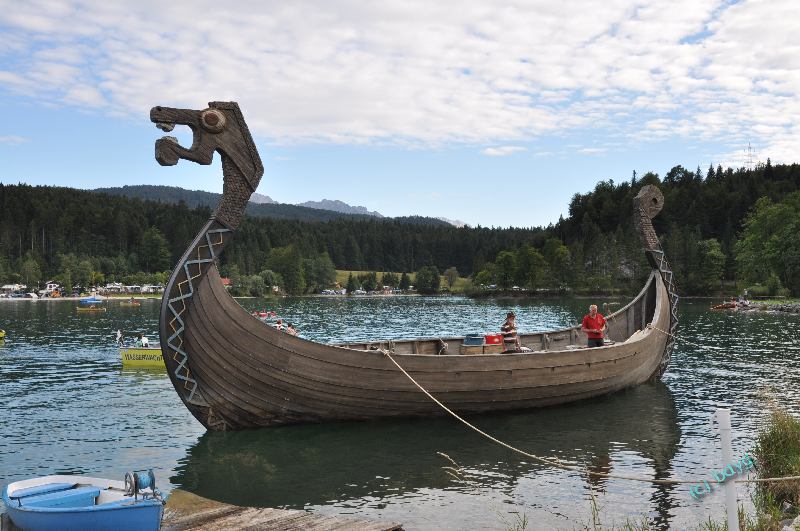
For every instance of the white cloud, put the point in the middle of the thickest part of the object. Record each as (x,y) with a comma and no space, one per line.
(502,151)
(422,73)
(12,139)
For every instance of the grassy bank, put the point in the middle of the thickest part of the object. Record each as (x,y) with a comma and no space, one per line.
(776,454)
(771,302)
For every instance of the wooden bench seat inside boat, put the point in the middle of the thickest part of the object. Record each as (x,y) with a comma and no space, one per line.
(74,497)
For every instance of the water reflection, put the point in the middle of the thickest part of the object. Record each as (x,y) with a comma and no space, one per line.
(302,466)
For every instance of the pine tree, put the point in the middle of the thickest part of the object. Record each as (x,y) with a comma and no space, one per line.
(352,284)
(154,253)
(405,282)
(451,275)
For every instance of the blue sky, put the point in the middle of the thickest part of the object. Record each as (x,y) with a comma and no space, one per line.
(491,116)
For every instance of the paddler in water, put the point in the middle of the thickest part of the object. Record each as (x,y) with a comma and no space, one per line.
(594,324)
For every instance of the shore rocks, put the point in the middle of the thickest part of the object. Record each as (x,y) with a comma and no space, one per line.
(786,308)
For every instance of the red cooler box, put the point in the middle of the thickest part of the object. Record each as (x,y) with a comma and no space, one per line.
(493,339)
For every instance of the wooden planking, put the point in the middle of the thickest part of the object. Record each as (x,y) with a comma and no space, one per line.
(305,367)
(373,364)
(469,401)
(234,317)
(252,381)
(188,512)
(255,375)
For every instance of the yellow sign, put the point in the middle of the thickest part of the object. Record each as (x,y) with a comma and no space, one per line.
(142,357)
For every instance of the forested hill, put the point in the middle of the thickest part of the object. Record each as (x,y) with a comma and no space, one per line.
(42,223)
(324,210)
(195,198)
(701,227)
(163,194)
(594,247)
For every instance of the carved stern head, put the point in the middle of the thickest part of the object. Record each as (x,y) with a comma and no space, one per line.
(220,127)
(647,204)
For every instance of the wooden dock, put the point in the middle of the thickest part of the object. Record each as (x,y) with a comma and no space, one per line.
(185,511)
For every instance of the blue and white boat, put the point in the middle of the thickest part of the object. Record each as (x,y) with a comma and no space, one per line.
(88,301)
(81,503)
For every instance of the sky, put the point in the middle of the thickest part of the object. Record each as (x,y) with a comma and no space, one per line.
(491,113)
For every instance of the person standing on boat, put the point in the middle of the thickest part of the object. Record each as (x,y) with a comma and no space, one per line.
(509,331)
(594,324)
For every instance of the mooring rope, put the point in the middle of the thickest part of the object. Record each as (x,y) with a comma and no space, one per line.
(555,462)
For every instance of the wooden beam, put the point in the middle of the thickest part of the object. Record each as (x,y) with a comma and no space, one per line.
(186,511)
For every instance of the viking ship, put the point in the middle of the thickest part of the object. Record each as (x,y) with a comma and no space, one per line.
(232,372)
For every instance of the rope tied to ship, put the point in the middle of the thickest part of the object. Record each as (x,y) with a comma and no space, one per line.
(555,462)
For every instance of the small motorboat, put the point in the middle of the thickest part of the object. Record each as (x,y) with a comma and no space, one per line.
(141,357)
(731,305)
(89,301)
(79,502)
(131,304)
(2,335)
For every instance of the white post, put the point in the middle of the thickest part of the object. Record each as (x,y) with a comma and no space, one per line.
(723,417)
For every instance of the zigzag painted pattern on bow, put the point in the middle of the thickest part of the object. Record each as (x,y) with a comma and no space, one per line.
(190,384)
(667,276)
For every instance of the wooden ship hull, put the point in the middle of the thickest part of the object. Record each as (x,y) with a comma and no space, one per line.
(233,372)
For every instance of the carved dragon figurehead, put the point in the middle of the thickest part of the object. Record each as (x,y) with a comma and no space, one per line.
(220,127)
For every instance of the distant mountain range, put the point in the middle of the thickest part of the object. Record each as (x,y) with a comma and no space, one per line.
(261,199)
(454,222)
(340,206)
(264,206)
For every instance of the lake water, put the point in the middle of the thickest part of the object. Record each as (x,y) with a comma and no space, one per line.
(68,407)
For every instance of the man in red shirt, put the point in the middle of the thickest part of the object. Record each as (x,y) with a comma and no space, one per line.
(594,325)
